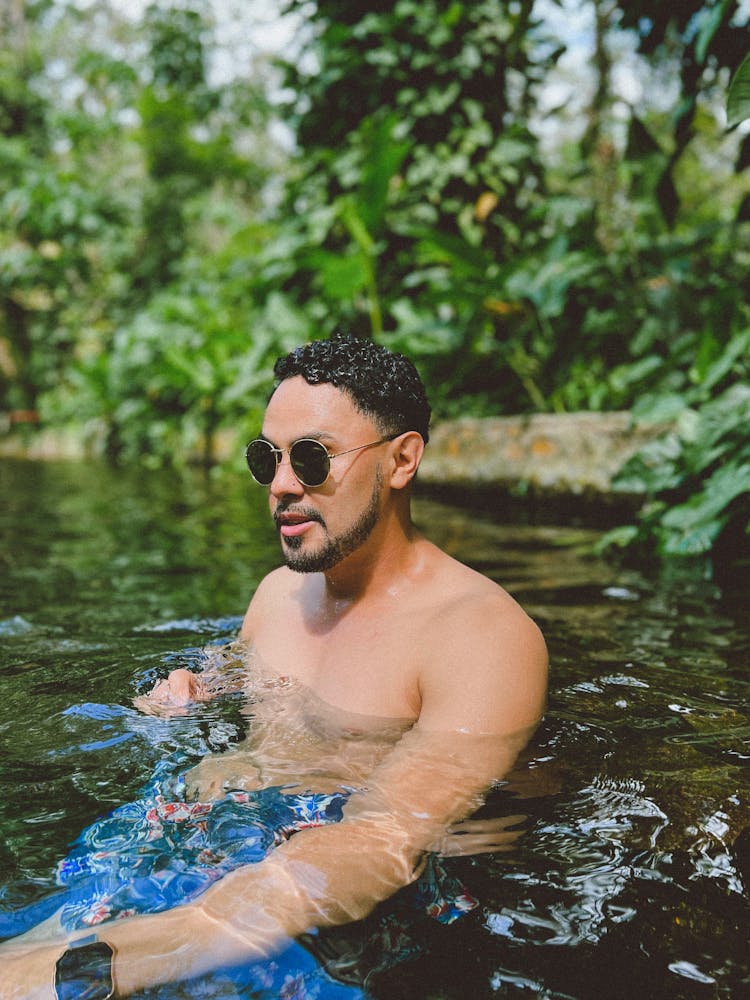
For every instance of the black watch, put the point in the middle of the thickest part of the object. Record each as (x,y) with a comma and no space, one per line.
(84,971)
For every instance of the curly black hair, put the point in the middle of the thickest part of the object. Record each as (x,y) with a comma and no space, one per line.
(383,385)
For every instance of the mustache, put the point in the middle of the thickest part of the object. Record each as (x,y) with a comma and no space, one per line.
(307,513)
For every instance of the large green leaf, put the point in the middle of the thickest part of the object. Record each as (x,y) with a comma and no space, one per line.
(738,98)
(692,528)
(385,156)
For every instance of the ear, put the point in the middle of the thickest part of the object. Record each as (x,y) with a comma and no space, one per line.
(406,456)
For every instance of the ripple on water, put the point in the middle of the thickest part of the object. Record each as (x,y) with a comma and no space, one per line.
(15,626)
(194,626)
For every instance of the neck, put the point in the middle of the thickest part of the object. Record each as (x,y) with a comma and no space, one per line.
(377,566)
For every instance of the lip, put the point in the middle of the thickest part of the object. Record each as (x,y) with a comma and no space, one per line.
(292,523)
(290,529)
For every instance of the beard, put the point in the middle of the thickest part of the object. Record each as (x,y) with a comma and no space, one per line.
(335,548)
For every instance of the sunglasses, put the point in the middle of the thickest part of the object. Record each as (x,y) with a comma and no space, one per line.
(310,460)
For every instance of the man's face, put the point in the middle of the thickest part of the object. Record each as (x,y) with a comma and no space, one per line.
(322,525)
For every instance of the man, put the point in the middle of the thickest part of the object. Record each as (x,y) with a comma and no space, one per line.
(372,623)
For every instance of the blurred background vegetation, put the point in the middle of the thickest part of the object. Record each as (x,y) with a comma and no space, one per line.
(542,202)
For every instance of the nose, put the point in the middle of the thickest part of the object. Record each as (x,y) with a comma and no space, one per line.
(284,482)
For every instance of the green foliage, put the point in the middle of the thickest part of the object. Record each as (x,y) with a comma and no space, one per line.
(410,120)
(187,140)
(108,182)
(55,232)
(697,475)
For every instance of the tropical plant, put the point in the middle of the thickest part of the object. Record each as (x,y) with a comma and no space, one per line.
(697,476)
(110,187)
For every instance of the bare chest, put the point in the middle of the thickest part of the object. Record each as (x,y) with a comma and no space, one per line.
(369,665)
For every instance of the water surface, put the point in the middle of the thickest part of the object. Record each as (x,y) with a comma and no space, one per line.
(626,880)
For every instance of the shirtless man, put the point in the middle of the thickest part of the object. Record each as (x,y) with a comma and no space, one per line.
(373,621)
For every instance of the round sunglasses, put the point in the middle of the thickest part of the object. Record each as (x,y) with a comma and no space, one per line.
(310,460)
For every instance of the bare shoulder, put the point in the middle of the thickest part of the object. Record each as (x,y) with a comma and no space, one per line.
(279,581)
(485,620)
(487,659)
(464,595)
(270,594)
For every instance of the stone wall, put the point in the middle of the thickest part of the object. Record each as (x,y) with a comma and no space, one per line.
(570,454)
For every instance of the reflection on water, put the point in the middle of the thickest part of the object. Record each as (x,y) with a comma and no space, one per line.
(626,880)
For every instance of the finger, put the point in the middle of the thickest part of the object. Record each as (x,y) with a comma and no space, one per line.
(487,825)
(469,844)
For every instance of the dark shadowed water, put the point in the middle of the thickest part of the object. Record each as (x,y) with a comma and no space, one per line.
(627,882)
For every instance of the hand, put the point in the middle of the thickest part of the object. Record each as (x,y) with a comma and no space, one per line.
(173,694)
(214,776)
(480,836)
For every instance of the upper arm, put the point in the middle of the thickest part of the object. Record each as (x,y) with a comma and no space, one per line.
(487,672)
(483,695)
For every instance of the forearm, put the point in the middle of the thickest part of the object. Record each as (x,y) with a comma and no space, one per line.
(181,944)
(314,880)
(321,877)
(324,876)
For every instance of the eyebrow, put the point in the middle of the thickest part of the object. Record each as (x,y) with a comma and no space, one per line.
(321,436)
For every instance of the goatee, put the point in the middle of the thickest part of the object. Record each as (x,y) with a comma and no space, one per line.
(334,549)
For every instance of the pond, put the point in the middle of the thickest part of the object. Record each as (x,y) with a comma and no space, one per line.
(626,880)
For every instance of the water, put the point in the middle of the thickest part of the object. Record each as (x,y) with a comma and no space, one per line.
(627,882)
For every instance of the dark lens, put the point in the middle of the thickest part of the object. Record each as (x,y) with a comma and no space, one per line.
(310,462)
(261,461)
